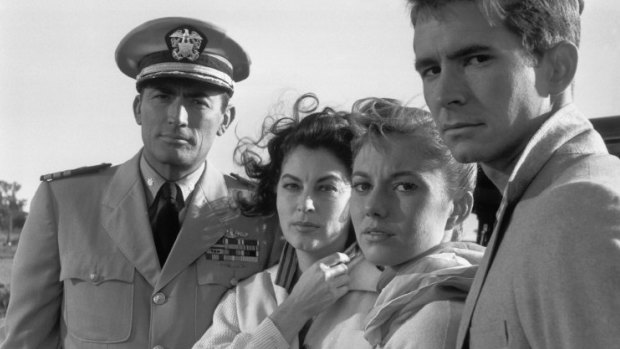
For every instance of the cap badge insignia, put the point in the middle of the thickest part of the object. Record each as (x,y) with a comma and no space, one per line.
(186,43)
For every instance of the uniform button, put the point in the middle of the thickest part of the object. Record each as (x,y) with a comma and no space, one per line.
(158,347)
(159,299)
(94,277)
(234,281)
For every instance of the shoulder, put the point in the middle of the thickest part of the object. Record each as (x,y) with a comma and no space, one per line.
(80,171)
(580,203)
(570,231)
(258,281)
(240,189)
(434,326)
(82,184)
(578,191)
(236,181)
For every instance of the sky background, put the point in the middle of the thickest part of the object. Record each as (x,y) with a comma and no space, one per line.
(64,103)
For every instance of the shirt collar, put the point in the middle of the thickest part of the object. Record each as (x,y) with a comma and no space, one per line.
(288,269)
(153,181)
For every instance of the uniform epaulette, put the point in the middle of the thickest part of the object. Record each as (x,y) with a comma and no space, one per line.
(75,172)
(242,180)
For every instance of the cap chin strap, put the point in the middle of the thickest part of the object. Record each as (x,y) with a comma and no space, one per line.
(195,71)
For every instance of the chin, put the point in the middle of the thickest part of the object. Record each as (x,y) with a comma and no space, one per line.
(307,245)
(465,156)
(377,255)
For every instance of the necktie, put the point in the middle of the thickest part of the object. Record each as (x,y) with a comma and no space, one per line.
(166,223)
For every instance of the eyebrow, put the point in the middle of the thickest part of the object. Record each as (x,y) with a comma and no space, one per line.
(197,95)
(468,51)
(359,173)
(392,176)
(331,177)
(456,55)
(405,174)
(321,179)
(163,89)
(289,176)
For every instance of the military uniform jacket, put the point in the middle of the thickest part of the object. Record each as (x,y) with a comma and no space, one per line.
(554,281)
(86,273)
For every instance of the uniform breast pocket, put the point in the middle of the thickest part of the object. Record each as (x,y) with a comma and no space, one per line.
(98,300)
(213,280)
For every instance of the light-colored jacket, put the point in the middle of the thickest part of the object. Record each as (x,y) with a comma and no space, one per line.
(86,273)
(241,319)
(420,304)
(555,278)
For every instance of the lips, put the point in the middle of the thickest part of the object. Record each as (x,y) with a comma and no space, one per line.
(459,126)
(376,235)
(176,139)
(305,226)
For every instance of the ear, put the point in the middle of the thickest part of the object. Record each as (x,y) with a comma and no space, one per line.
(461,209)
(136,110)
(562,60)
(229,117)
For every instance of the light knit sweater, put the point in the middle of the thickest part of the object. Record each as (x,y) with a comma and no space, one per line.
(241,320)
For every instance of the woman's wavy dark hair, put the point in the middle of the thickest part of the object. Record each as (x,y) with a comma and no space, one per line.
(326,129)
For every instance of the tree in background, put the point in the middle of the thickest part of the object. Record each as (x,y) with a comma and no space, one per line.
(12,215)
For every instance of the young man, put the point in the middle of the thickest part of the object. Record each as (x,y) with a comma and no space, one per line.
(138,255)
(498,79)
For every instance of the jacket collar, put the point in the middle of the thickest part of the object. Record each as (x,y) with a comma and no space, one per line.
(127,223)
(564,125)
(126,219)
(205,223)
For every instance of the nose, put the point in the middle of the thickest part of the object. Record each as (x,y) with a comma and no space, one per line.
(450,89)
(305,204)
(177,113)
(376,204)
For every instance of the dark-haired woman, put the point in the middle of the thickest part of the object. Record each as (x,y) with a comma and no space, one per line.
(319,294)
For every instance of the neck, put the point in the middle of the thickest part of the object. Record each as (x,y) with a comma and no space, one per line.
(305,259)
(172,173)
(498,176)
(500,169)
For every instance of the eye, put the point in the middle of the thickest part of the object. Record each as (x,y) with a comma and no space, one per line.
(404,187)
(328,188)
(361,187)
(430,71)
(290,186)
(201,102)
(477,59)
(160,96)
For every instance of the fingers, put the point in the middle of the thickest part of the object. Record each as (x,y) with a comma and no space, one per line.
(341,280)
(338,269)
(335,259)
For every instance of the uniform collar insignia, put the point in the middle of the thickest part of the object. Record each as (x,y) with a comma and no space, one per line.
(186,43)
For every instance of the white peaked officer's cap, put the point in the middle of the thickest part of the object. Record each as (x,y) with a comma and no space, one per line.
(177,47)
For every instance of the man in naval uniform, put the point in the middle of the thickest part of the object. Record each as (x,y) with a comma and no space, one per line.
(138,255)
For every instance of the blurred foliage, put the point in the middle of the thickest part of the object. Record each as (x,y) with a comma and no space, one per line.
(12,215)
